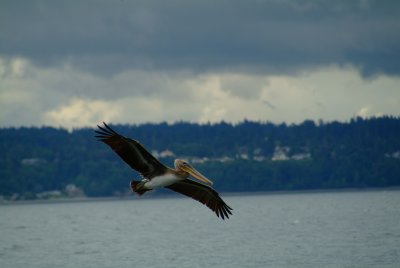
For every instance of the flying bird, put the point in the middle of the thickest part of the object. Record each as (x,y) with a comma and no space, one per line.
(155,174)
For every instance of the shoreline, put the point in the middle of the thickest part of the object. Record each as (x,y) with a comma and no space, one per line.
(172,195)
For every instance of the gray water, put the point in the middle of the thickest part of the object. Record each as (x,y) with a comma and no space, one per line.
(349,229)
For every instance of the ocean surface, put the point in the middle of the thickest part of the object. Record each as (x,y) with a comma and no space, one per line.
(335,229)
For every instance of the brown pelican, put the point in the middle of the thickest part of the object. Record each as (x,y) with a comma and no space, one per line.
(156,175)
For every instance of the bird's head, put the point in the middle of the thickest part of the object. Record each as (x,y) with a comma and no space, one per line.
(182,165)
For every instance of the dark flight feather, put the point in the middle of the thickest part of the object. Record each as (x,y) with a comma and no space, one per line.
(204,195)
(132,152)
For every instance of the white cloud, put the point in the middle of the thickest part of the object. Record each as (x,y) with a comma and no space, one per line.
(331,93)
(64,96)
(364,112)
(80,112)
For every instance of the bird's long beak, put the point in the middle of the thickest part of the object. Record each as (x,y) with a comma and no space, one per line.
(197,175)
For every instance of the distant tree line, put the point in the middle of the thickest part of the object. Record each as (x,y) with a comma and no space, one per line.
(248,156)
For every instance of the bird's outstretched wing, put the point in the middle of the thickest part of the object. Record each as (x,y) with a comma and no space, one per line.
(204,194)
(131,151)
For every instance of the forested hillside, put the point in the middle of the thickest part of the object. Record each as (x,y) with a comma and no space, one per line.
(250,156)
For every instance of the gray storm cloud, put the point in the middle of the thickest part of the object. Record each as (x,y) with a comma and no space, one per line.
(272,36)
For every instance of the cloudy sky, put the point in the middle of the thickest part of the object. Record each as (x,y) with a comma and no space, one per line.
(77,63)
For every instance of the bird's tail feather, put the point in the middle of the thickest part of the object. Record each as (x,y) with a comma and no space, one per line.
(137,187)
